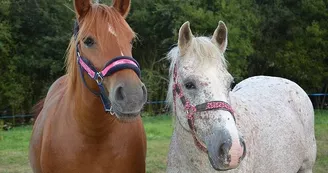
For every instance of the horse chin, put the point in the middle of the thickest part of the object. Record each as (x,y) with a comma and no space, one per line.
(125,117)
(218,167)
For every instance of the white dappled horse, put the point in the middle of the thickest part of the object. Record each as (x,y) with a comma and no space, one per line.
(263,125)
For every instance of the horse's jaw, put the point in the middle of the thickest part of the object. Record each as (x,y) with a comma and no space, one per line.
(184,156)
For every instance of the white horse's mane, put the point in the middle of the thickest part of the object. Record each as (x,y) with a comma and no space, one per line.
(203,49)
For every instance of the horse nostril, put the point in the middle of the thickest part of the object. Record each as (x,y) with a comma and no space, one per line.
(119,94)
(244,150)
(224,152)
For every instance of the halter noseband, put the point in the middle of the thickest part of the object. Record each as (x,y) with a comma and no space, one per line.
(114,65)
(191,109)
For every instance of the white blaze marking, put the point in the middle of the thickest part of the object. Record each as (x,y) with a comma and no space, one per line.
(112,31)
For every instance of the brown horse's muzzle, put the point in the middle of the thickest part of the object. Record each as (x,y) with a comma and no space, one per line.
(128,99)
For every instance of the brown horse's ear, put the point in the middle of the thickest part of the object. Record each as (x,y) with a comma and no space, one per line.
(122,6)
(82,7)
(185,36)
(220,36)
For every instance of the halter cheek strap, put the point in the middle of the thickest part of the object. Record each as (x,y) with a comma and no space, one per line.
(191,110)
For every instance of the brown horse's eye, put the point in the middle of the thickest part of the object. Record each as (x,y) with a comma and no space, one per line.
(89,42)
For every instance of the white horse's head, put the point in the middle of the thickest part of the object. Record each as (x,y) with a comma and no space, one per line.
(199,92)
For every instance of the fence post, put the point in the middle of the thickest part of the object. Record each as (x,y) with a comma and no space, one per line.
(1,128)
(324,98)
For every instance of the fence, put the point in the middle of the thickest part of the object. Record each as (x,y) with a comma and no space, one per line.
(8,121)
(318,100)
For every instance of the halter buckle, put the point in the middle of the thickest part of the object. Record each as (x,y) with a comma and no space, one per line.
(99,79)
(111,111)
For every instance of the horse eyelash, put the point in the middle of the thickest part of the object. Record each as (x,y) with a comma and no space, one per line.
(232,83)
(134,39)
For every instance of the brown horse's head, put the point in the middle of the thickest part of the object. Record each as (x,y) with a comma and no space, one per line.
(104,35)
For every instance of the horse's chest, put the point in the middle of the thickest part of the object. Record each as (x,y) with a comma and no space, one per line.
(75,155)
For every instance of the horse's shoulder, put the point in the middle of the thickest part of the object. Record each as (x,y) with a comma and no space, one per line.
(47,109)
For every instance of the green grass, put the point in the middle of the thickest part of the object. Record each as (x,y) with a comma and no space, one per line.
(159,131)
(321,133)
(14,145)
(14,150)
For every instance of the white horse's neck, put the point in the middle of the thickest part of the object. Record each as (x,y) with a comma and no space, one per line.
(185,154)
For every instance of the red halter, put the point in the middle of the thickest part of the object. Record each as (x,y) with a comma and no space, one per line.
(191,109)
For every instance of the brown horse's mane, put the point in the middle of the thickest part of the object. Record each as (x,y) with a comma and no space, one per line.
(96,20)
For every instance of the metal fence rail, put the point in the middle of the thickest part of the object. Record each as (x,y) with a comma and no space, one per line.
(316,96)
(16,116)
(319,100)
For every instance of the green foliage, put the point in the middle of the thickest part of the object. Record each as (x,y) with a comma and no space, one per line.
(292,42)
(33,39)
(277,38)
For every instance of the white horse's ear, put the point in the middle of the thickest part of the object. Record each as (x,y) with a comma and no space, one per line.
(220,36)
(185,37)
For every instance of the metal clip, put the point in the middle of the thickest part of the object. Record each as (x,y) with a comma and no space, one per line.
(99,78)
(111,111)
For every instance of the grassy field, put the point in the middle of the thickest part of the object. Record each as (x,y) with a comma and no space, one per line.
(321,133)
(14,145)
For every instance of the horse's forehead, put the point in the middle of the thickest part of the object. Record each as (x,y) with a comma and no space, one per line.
(213,74)
(206,74)
(202,52)
(202,67)
(111,29)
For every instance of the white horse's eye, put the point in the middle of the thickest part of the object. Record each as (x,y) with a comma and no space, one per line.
(190,85)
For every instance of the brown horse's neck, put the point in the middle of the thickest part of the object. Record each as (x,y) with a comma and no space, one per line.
(88,111)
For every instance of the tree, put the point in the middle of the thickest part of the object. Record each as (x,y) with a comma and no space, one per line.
(5,50)
(266,37)
(40,31)
(291,42)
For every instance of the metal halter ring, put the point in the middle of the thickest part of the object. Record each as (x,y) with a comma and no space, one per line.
(99,78)
(111,111)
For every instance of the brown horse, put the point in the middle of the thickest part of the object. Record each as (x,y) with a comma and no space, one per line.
(88,122)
